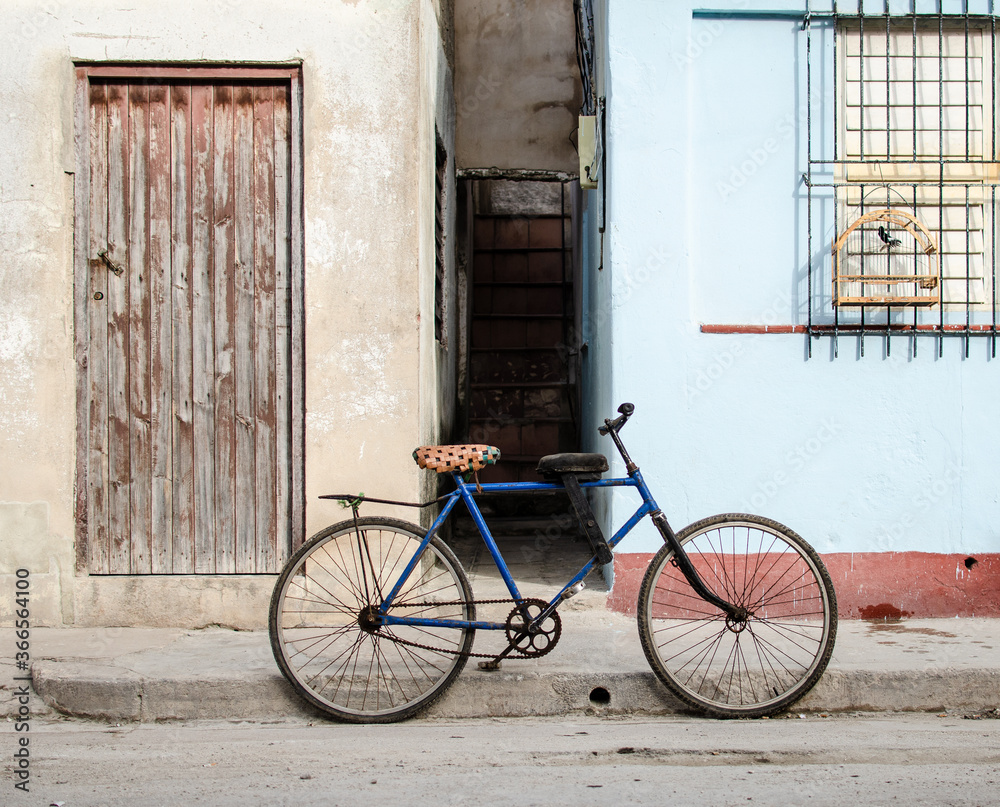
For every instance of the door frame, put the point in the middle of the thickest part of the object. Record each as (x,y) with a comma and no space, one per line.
(84,71)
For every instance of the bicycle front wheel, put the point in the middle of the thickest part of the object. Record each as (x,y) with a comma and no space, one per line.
(326,633)
(729,668)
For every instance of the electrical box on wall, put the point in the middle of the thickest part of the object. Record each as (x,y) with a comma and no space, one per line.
(587,147)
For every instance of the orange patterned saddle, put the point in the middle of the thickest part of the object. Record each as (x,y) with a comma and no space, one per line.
(444,459)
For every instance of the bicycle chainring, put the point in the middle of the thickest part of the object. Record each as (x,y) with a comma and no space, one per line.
(542,638)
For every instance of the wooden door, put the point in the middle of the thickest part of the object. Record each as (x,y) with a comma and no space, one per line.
(191,413)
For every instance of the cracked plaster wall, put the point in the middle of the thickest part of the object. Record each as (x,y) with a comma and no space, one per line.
(376,79)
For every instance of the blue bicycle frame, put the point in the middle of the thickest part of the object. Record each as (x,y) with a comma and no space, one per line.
(465,491)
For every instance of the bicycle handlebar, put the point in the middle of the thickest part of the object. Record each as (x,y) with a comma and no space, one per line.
(626,410)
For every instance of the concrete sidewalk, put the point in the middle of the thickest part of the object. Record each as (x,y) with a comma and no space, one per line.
(139,674)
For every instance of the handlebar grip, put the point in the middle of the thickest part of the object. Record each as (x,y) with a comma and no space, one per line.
(626,410)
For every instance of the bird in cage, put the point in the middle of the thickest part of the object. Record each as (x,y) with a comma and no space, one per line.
(885,257)
(890,241)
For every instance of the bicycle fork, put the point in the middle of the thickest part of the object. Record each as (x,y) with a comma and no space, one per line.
(733,612)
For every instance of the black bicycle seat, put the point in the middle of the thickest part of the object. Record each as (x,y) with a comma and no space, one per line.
(556,464)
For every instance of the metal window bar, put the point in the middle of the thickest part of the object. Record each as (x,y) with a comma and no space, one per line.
(962,162)
(940,154)
(583,14)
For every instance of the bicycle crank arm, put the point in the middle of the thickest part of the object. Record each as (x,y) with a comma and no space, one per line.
(734,612)
(494,663)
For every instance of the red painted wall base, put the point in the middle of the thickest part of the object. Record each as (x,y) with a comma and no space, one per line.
(875,585)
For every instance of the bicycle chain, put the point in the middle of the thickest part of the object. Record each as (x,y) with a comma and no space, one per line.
(467,653)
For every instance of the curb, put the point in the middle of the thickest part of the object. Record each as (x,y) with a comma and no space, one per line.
(107,693)
(101,692)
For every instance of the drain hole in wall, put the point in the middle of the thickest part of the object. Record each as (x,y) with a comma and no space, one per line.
(970,562)
(599,696)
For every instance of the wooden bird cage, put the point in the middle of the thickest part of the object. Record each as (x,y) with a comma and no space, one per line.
(885,257)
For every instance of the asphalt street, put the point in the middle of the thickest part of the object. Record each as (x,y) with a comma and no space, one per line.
(911,759)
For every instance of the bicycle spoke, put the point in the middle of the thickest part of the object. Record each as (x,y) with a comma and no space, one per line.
(347,654)
(748,678)
(695,623)
(778,651)
(761,657)
(341,578)
(699,649)
(332,637)
(399,648)
(769,593)
(708,667)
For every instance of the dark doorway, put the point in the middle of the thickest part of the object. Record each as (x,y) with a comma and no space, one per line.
(523,390)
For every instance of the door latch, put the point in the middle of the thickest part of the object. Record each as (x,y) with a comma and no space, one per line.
(117,268)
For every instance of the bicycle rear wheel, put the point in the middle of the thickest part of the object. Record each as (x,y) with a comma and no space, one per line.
(325,631)
(730,668)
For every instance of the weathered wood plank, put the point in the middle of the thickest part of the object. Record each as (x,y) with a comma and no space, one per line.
(297,282)
(264,328)
(181,268)
(202,323)
(161,351)
(243,364)
(97,349)
(282,329)
(119,466)
(82,301)
(225,306)
(140,482)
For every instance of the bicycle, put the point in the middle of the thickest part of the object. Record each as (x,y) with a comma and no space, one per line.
(373,618)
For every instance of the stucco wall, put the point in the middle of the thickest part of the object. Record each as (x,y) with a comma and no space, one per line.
(517,84)
(875,454)
(376,78)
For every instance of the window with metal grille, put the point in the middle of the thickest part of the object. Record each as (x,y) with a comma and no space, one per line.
(905,155)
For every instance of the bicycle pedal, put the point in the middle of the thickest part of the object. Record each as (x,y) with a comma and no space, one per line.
(490,666)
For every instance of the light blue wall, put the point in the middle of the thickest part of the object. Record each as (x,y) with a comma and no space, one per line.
(706,224)
(597,334)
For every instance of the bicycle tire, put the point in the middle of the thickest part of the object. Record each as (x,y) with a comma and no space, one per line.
(731,669)
(331,652)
